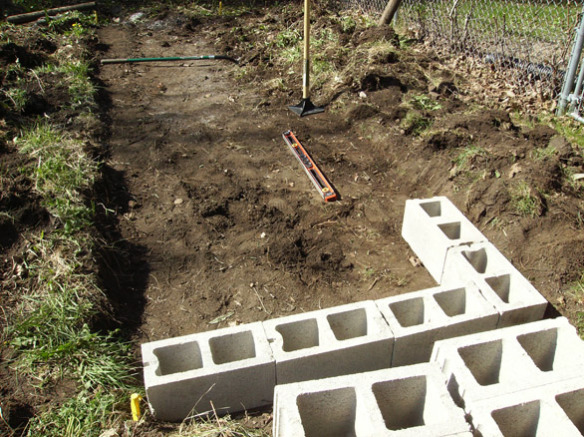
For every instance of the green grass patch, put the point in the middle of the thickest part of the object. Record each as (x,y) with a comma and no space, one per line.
(86,415)
(542,154)
(415,123)
(62,172)
(425,103)
(465,157)
(524,201)
(549,22)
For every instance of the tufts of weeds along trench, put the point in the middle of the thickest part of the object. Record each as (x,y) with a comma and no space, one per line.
(49,338)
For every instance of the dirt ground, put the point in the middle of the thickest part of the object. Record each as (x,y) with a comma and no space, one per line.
(218,223)
(234,232)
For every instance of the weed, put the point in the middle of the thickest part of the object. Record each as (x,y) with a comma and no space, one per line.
(415,123)
(524,201)
(425,103)
(287,38)
(368,272)
(348,24)
(18,97)
(542,154)
(464,158)
(325,36)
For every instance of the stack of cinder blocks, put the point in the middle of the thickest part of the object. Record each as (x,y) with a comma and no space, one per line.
(469,356)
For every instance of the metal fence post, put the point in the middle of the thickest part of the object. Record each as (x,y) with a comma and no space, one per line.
(568,85)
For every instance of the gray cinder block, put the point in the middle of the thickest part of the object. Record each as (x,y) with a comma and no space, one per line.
(336,341)
(405,401)
(552,409)
(420,318)
(432,226)
(226,370)
(502,285)
(509,360)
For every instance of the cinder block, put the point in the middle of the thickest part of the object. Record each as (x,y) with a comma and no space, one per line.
(505,361)
(432,226)
(336,341)
(511,294)
(554,409)
(420,318)
(232,368)
(405,401)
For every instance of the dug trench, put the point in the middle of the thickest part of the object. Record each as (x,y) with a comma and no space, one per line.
(228,229)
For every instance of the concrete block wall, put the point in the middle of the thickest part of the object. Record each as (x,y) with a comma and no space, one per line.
(405,401)
(418,319)
(336,341)
(432,226)
(505,361)
(233,368)
(512,295)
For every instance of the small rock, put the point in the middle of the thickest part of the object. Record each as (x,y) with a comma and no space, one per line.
(414,261)
(178,201)
(515,168)
(263,235)
(136,17)
(362,95)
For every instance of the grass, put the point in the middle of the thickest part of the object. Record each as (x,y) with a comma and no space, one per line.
(62,171)
(415,123)
(524,201)
(544,153)
(576,292)
(549,22)
(466,156)
(426,103)
(84,415)
(213,426)
(50,332)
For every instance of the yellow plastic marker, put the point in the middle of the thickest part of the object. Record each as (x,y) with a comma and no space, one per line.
(135,406)
(220,8)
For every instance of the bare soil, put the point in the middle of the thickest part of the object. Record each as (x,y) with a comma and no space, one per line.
(233,230)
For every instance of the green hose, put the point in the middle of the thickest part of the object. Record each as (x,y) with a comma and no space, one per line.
(174,58)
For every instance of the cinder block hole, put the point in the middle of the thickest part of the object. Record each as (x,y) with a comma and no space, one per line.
(451,230)
(232,347)
(541,347)
(519,420)
(477,259)
(329,413)
(488,362)
(452,302)
(404,403)
(178,358)
(502,286)
(299,335)
(433,209)
(408,312)
(349,324)
(572,403)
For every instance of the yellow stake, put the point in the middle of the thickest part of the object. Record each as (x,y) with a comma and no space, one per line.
(220,8)
(135,406)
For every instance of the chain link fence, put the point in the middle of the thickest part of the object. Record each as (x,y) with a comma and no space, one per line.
(531,39)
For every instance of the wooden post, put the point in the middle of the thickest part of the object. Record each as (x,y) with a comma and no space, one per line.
(389,12)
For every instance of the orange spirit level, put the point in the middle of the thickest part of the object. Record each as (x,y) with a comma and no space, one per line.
(319,181)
